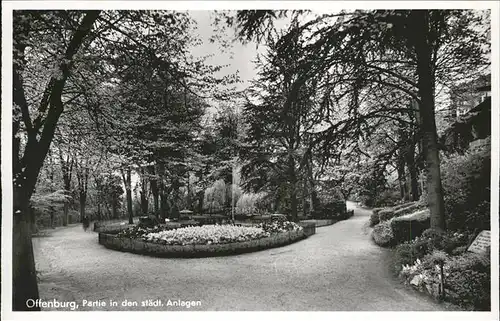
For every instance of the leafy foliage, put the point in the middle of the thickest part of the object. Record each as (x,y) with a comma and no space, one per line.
(467,193)
(279,226)
(382,234)
(252,204)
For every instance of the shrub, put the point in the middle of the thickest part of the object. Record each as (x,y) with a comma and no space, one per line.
(407,227)
(407,253)
(467,276)
(374,219)
(466,186)
(408,208)
(138,231)
(459,250)
(386,198)
(279,226)
(469,281)
(386,214)
(332,209)
(148,221)
(382,234)
(250,204)
(445,241)
(404,205)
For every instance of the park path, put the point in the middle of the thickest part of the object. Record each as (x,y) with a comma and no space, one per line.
(337,269)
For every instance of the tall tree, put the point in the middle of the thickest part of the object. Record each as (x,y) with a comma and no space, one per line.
(39,128)
(382,47)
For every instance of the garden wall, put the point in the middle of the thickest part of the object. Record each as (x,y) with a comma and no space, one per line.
(139,246)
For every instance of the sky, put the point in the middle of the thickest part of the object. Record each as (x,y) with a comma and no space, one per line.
(242,55)
(240,59)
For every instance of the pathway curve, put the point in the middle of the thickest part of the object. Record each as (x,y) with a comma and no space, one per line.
(337,269)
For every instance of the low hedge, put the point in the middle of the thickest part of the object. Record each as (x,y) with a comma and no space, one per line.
(406,228)
(382,234)
(385,214)
(381,214)
(408,208)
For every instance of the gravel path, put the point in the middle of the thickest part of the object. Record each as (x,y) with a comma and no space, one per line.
(337,269)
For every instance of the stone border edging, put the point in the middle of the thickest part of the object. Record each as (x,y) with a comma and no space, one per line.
(112,228)
(153,249)
(320,223)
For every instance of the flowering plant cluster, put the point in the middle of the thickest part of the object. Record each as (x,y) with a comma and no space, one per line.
(138,231)
(206,234)
(279,226)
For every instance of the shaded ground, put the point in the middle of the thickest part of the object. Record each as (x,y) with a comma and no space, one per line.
(337,269)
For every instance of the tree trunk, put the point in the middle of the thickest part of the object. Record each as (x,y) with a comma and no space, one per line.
(83,202)
(144,204)
(27,168)
(127,181)
(99,197)
(201,197)
(174,210)
(426,81)
(51,218)
(98,218)
(153,183)
(293,188)
(304,198)
(129,207)
(65,214)
(163,205)
(114,207)
(401,177)
(161,189)
(34,226)
(410,160)
(67,172)
(24,283)
(144,193)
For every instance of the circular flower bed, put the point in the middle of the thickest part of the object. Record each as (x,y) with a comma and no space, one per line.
(207,240)
(207,234)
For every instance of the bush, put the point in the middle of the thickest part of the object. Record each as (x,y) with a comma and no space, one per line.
(148,221)
(374,219)
(382,234)
(404,205)
(445,241)
(333,209)
(469,281)
(407,253)
(466,186)
(386,214)
(386,198)
(429,241)
(407,209)
(459,250)
(407,227)
(279,226)
(138,231)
